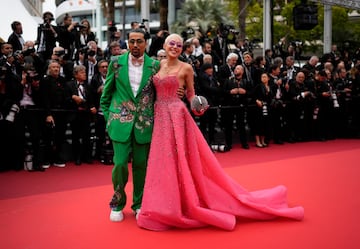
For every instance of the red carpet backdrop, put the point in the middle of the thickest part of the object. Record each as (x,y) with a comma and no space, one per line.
(67,208)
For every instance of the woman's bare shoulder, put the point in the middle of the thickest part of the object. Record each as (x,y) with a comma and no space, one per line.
(185,66)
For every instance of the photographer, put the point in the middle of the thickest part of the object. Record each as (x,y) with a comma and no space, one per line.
(236,90)
(241,48)
(82,103)
(32,59)
(226,71)
(103,144)
(293,49)
(328,105)
(53,99)
(209,87)
(29,119)
(84,35)
(278,87)
(15,39)
(47,35)
(157,42)
(89,56)
(226,35)
(289,71)
(301,103)
(344,84)
(66,65)
(117,43)
(67,34)
(11,94)
(186,56)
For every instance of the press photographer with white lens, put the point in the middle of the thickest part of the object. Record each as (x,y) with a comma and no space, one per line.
(11,90)
(29,119)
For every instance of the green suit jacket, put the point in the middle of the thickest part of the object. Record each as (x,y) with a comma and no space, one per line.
(124,113)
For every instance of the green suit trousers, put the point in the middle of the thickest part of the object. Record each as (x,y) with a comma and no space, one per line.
(120,172)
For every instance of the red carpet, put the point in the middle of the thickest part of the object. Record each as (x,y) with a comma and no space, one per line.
(68,208)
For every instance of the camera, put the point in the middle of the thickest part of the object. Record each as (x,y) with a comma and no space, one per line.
(48,19)
(14,109)
(227,30)
(143,27)
(193,60)
(187,33)
(87,51)
(165,34)
(28,51)
(335,100)
(264,109)
(59,53)
(142,24)
(18,54)
(80,26)
(32,76)
(315,113)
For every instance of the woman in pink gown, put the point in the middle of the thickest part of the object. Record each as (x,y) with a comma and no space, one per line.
(185,185)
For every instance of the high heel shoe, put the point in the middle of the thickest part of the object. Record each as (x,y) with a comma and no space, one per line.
(259,145)
(265,145)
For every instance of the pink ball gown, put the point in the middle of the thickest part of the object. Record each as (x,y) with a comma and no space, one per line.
(185,185)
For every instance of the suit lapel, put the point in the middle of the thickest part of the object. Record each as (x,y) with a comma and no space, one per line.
(124,74)
(147,71)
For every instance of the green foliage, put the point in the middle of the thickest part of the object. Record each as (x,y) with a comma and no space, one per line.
(201,15)
(208,14)
(341,30)
(254,21)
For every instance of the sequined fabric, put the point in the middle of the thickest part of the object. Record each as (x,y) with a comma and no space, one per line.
(185,186)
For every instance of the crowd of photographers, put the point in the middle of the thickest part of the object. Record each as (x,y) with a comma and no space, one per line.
(54,84)
(272,98)
(47,87)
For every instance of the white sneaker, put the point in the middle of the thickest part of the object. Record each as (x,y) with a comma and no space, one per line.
(116,216)
(46,165)
(60,164)
(137,212)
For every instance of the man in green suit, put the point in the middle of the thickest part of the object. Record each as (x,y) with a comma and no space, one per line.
(127,102)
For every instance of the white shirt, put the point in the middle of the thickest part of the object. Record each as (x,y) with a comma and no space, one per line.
(81,90)
(135,76)
(91,70)
(198,51)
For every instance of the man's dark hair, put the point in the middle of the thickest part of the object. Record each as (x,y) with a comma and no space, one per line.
(273,67)
(14,25)
(137,31)
(186,45)
(47,13)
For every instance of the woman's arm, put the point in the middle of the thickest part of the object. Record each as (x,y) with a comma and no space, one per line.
(188,82)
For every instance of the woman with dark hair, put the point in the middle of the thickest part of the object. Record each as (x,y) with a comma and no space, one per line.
(84,35)
(262,97)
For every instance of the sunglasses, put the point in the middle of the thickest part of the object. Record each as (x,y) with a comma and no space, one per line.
(173,43)
(138,41)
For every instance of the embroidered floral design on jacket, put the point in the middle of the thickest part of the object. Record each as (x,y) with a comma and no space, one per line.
(142,113)
(126,113)
(115,66)
(146,107)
